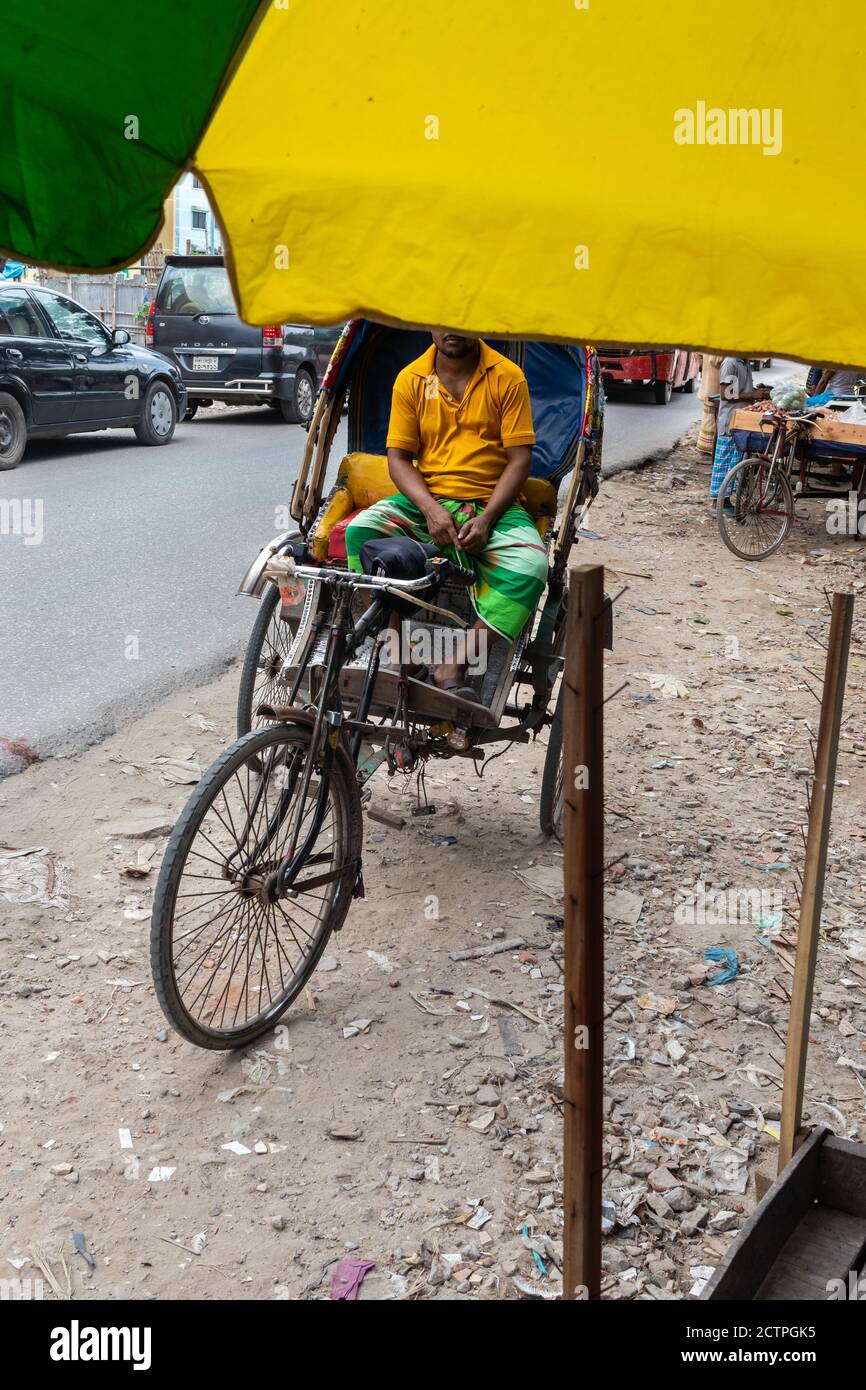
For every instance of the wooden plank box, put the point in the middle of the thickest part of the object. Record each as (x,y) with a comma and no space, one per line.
(807,1239)
(825,427)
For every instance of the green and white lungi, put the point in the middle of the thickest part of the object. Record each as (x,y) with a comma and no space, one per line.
(510,573)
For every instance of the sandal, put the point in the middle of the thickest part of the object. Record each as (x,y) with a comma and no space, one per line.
(454,686)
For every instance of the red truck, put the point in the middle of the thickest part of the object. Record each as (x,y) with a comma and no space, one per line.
(664,369)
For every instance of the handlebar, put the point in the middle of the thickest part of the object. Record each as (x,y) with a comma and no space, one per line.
(285,567)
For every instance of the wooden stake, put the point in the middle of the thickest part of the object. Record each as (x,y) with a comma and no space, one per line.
(583,913)
(811,901)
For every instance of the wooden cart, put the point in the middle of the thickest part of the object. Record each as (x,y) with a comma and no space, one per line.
(807,1239)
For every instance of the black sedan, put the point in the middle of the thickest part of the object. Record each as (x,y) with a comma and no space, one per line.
(63,371)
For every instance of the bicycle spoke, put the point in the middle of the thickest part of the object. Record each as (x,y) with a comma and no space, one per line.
(238,948)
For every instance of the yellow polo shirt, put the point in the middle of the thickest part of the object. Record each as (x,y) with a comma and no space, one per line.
(460,445)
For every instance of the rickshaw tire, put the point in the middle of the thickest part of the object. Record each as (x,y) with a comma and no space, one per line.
(182,838)
(552,774)
(783,488)
(267,606)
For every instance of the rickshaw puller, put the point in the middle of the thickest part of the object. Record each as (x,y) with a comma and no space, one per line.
(459,445)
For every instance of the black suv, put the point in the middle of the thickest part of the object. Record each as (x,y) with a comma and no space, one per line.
(194,323)
(63,371)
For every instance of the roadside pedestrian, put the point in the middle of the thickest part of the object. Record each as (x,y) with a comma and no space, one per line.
(709,387)
(736,387)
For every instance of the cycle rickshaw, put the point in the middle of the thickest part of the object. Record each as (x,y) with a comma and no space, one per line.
(265,859)
(785,458)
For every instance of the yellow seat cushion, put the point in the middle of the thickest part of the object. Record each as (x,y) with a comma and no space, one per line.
(363,479)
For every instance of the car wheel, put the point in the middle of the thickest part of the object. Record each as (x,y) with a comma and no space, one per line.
(191,410)
(158,415)
(662,390)
(13,431)
(298,410)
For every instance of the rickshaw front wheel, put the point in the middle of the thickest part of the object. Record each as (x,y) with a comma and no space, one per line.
(230,947)
(552,798)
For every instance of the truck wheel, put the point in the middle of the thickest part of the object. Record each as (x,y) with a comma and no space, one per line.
(689,386)
(158,415)
(13,431)
(662,390)
(298,409)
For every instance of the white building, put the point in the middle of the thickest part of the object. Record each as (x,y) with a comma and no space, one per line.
(190,225)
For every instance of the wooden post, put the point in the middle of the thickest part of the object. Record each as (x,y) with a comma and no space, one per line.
(813,875)
(583,843)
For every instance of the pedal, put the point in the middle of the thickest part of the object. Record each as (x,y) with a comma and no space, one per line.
(459,740)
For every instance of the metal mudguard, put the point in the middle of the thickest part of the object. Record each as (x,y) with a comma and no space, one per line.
(254,580)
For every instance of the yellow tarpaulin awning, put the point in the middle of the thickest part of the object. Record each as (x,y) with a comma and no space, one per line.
(597,170)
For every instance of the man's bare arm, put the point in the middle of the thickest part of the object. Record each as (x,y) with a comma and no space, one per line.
(407,479)
(475,533)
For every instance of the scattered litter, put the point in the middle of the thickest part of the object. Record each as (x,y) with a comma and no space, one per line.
(729,971)
(482,1122)
(383,817)
(542,878)
(142,864)
(198,1243)
(534,1290)
(347,1132)
(420,999)
(31,876)
(655,1004)
(125,1138)
(494,949)
(236,1147)
(161,1173)
(347,1278)
(257,1067)
(855,944)
(40,1259)
(480,1219)
(81,1246)
(179,768)
(389,966)
(358,1025)
(729,1169)
(198,721)
(701,1274)
(623,906)
(670,687)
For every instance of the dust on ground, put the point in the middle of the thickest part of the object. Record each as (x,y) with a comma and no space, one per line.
(115,1129)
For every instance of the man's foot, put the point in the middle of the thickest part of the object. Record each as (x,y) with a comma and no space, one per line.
(452,679)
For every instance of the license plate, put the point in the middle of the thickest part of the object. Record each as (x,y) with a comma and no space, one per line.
(205,364)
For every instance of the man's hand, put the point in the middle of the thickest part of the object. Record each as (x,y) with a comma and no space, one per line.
(474,534)
(440,524)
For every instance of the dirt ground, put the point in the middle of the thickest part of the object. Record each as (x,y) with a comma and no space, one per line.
(113,1128)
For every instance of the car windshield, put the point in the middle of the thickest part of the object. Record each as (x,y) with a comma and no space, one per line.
(195,289)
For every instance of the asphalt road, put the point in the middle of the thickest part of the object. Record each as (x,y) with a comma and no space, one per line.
(131,593)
